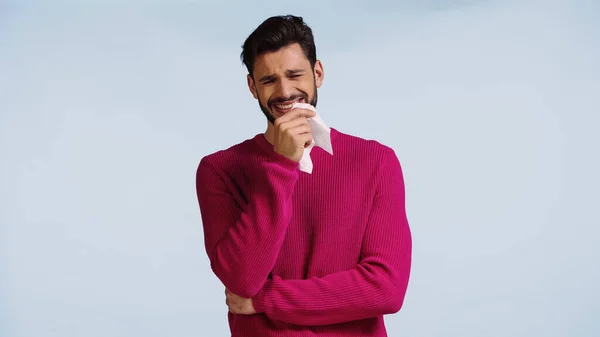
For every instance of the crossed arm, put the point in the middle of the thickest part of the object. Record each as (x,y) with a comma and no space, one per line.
(243,247)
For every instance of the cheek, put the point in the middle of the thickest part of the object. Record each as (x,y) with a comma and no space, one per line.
(263,95)
(308,86)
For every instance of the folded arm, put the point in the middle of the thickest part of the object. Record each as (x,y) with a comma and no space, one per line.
(375,286)
(243,243)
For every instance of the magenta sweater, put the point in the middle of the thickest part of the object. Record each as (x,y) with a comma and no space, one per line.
(321,254)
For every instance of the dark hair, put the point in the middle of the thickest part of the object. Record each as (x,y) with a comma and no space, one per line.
(275,33)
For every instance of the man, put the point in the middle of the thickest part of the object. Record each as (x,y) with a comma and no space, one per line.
(320,254)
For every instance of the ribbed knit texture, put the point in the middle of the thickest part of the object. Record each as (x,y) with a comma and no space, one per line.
(321,254)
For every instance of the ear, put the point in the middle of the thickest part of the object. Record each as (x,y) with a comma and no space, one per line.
(319,73)
(252,86)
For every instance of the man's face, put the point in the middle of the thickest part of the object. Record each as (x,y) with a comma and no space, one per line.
(282,78)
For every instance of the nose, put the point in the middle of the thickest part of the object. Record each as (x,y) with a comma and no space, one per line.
(285,89)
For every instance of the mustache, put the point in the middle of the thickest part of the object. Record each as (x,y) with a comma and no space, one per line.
(283,99)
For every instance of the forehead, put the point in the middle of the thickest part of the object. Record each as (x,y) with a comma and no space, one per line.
(278,62)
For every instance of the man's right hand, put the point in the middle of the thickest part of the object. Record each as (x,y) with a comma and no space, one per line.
(293,133)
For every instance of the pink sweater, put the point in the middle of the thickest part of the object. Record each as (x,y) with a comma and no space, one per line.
(321,254)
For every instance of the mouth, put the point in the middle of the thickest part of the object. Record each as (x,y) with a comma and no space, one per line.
(285,107)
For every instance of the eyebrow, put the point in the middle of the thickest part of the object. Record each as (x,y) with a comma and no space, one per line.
(289,72)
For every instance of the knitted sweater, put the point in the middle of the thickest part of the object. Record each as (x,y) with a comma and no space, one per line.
(321,254)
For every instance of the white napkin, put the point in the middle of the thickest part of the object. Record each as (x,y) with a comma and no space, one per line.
(321,137)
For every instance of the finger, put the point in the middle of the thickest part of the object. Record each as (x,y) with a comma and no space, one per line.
(293,123)
(302,112)
(295,113)
(301,130)
(307,139)
(302,134)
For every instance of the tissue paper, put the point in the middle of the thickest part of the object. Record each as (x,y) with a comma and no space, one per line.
(321,134)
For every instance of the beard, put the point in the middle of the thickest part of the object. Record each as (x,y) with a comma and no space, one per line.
(270,116)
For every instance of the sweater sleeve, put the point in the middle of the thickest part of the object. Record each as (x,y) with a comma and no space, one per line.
(243,241)
(375,286)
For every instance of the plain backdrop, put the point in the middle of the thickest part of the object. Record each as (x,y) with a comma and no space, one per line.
(106,108)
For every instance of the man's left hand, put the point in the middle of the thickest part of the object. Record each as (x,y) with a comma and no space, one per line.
(239,305)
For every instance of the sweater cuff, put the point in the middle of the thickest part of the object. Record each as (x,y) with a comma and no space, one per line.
(284,161)
(260,300)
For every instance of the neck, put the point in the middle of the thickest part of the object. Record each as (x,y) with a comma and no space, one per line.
(270,133)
